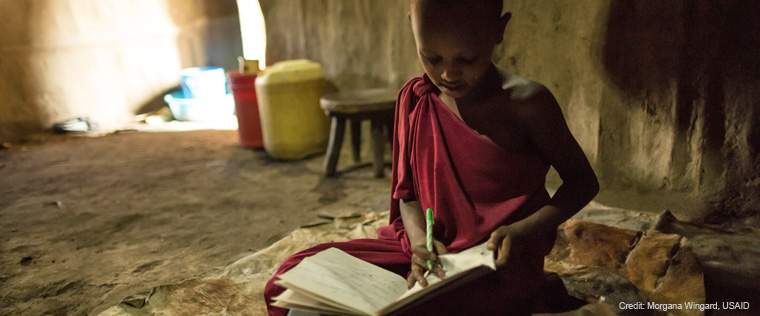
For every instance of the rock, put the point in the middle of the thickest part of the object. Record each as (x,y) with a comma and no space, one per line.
(663,220)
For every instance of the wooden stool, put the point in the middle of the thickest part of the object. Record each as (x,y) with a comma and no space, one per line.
(376,105)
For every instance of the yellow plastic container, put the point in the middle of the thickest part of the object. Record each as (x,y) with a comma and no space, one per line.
(293,125)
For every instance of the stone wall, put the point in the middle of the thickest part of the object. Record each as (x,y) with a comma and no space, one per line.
(106,59)
(660,95)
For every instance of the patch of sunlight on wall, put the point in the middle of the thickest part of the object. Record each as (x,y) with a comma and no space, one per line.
(100,59)
(253,31)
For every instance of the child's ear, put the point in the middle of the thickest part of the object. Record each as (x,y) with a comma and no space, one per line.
(502,26)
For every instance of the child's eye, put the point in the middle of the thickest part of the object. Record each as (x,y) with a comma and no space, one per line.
(433,61)
(467,61)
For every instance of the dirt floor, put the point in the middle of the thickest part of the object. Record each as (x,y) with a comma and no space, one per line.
(86,222)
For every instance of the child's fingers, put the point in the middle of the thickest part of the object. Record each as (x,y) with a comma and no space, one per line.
(421,259)
(496,237)
(440,248)
(410,280)
(438,270)
(416,276)
(424,254)
(504,250)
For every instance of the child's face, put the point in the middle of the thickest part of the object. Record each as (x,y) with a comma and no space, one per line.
(455,46)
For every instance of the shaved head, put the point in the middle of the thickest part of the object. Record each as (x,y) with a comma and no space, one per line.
(455,40)
(481,16)
(485,8)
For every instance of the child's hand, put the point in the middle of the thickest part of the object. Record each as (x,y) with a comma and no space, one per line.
(420,256)
(508,243)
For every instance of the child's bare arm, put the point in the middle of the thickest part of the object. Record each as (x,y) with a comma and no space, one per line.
(548,131)
(546,127)
(414,223)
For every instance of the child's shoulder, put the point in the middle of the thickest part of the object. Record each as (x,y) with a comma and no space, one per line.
(524,95)
(518,88)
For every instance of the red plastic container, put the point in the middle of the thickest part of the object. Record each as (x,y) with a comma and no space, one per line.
(247,108)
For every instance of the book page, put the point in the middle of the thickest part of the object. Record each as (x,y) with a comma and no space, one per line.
(294,300)
(468,259)
(339,279)
(468,264)
(323,300)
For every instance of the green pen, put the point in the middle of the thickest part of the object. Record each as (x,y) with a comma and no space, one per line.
(429,229)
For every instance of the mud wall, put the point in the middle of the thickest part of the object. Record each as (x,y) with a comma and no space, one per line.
(661,95)
(106,59)
(360,43)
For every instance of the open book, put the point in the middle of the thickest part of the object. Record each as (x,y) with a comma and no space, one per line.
(334,282)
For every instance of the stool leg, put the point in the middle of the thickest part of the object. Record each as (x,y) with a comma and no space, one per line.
(337,128)
(356,138)
(389,128)
(377,147)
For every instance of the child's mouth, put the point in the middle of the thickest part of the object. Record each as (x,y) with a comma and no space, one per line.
(453,88)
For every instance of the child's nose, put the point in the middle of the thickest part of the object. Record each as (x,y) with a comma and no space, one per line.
(451,73)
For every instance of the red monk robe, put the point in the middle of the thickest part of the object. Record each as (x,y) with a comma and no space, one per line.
(473,185)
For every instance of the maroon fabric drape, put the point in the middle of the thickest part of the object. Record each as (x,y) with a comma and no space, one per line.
(473,185)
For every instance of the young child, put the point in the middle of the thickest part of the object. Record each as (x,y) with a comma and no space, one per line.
(474,143)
